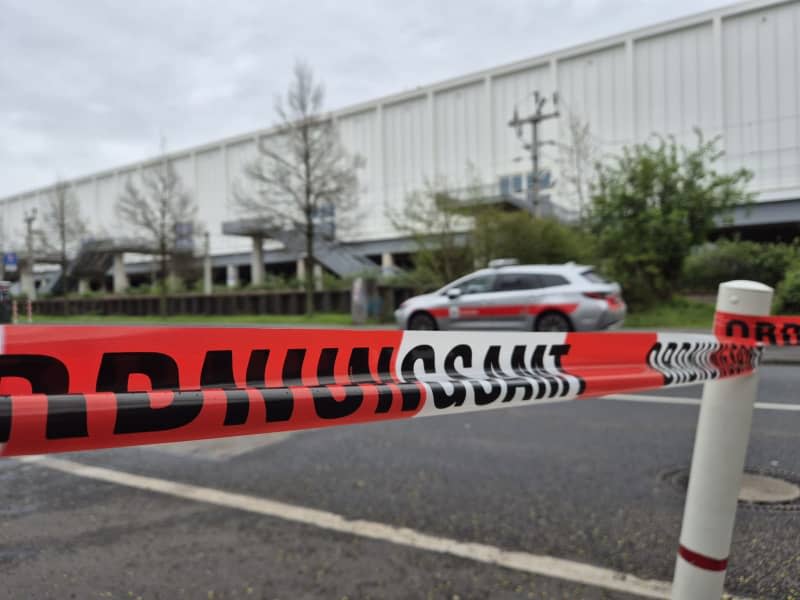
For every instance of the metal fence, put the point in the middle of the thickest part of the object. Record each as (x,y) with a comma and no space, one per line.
(228,303)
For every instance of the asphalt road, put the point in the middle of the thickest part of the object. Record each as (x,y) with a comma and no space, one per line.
(598,482)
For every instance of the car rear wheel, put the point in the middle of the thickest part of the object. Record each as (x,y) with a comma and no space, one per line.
(552,321)
(422,322)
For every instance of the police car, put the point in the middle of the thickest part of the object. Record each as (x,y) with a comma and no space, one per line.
(510,296)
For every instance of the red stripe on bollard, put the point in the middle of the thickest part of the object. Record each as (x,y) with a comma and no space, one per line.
(702,561)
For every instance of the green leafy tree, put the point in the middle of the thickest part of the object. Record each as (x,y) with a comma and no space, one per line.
(652,204)
(516,234)
(787,296)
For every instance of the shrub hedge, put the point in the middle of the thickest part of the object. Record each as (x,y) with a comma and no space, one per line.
(710,264)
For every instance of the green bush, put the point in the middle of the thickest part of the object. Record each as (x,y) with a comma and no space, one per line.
(271,282)
(787,297)
(651,204)
(496,234)
(420,281)
(711,264)
(500,234)
(643,284)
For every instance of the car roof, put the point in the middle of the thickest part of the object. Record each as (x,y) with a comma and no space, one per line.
(571,268)
(563,268)
(538,268)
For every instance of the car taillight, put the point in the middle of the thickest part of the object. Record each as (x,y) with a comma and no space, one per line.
(614,302)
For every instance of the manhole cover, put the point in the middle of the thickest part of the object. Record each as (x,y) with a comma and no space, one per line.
(764,490)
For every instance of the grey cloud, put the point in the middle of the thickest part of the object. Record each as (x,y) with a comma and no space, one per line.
(88,85)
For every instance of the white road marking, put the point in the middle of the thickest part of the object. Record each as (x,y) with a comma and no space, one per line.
(652,399)
(535,564)
(693,401)
(223,449)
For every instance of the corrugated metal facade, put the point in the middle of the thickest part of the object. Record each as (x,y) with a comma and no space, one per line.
(733,72)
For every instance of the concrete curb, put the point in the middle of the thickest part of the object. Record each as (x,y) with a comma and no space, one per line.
(782,356)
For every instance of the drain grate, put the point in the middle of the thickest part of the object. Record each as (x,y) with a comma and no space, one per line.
(774,490)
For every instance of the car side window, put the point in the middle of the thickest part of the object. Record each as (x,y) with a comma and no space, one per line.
(509,282)
(551,280)
(477,284)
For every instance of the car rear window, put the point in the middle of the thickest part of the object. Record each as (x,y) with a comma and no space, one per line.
(550,280)
(594,277)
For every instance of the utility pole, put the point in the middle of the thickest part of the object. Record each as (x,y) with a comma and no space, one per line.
(533,120)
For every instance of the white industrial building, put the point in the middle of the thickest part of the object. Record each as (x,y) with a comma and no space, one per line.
(732,72)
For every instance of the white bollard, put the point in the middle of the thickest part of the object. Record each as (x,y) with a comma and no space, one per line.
(720,448)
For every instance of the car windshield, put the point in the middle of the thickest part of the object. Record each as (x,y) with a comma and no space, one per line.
(473,284)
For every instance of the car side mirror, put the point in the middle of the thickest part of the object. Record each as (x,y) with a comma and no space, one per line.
(453,293)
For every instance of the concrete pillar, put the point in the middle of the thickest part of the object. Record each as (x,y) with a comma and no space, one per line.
(26,281)
(257,262)
(318,277)
(173,281)
(232,276)
(301,269)
(387,263)
(119,276)
(208,282)
(83,286)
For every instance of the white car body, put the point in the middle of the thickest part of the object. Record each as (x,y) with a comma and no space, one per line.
(519,297)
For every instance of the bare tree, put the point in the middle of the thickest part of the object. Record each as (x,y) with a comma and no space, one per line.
(302,173)
(577,161)
(64,227)
(440,223)
(162,212)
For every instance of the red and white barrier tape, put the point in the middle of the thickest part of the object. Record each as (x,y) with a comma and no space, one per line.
(772,331)
(68,388)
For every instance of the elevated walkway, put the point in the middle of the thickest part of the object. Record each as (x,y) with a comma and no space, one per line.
(95,257)
(332,255)
(493,195)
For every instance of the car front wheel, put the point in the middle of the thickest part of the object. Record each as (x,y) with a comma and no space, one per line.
(422,322)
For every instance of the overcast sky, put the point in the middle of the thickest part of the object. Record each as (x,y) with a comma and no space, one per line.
(87,85)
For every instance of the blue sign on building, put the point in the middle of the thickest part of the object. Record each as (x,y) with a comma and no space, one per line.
(10,261)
